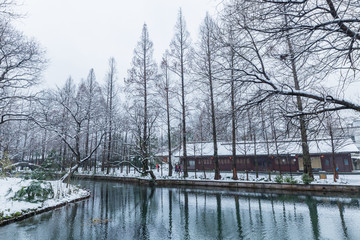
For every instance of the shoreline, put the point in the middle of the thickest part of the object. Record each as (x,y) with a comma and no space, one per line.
(276,188)
(42,210)
(290,188)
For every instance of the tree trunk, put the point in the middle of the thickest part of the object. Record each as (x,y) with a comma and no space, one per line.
(213,121)
(87,141)
(109,149)
(95,157)
(77,143)
(255,157)
(263,126)
(43,149)
(233,117)
(333,152)
(168,122)
(103,154)
(183,116)
(303,127)
(253,138)
(145,136)
(91,146)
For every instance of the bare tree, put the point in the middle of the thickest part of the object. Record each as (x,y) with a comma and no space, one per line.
(181,56)
(141,77)
(110,96)
(207,68)
(75,105)
(7,9)
(92,92)
(21,63)
(331,126)
(328,42)
(227,40)
(166,86)
(91,86)
(257,50)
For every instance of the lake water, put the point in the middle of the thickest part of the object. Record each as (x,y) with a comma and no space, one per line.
(126,211)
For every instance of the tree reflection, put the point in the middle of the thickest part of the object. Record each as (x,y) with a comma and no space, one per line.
(238,217)
(341,210)
(219,220)
(186,210)
(314,217)
(145,199)
(170,214)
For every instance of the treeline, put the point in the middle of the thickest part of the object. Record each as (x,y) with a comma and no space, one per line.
(258,71)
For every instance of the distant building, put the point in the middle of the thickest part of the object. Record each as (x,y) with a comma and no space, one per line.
(354,134)
(285,155)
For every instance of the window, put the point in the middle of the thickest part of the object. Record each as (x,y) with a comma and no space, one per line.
(327,162)
(346,162)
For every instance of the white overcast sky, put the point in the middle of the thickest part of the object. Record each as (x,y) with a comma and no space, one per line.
(82,34)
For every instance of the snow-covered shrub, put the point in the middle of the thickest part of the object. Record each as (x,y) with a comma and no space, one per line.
(279,179)
(37,191)
(306,178)
(289,179)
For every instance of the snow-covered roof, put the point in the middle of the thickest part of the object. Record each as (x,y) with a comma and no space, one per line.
(270,148)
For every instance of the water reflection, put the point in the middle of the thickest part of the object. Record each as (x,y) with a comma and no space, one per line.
(123,211)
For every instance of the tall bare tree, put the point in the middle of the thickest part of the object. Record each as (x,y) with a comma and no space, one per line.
(110,96)
(207,69)
(140,82)
(181,58)
(166,87)
(92,92)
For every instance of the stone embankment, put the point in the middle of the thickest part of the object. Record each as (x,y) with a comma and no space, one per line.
(326,188)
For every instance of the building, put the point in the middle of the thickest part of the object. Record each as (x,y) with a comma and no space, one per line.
(285,155)
(353,130)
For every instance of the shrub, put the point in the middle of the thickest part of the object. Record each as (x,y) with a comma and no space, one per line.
(37,191)
(5,163)
(290,180)
(279,179)
(306,178)
(16,214)
(47,170)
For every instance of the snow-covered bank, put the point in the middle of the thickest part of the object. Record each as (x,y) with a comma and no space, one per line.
(344,179)
(10,208)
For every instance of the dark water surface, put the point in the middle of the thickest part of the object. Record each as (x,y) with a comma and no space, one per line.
(125,211)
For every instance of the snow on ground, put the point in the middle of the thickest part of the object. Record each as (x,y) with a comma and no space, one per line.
(348,179)
(9,186)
